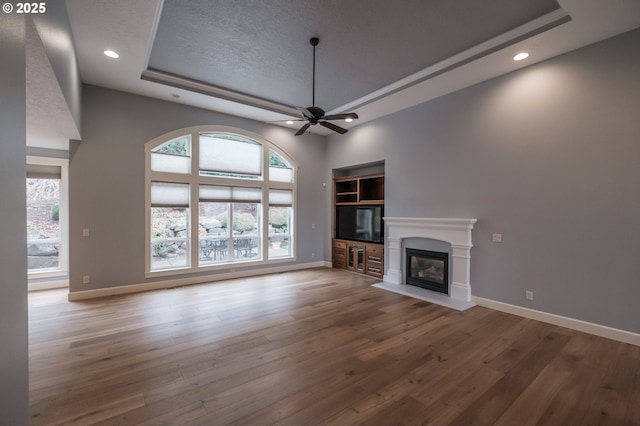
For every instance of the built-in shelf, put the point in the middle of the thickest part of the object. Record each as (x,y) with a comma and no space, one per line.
(347,197)
(371,189)
(359,189)
(346,186)
(365,258)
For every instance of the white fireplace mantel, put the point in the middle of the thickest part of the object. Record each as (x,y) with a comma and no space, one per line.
(455,231)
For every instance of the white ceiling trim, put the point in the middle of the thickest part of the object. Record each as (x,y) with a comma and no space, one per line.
(180,82)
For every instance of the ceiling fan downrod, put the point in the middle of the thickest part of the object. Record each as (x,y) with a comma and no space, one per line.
(315,115)
(314,42)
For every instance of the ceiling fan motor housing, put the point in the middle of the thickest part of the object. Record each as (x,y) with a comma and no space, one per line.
(317,112)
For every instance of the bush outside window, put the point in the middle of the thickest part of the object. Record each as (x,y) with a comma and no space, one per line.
(43,224)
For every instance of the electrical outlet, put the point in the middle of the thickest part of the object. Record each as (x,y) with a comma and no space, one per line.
(85,232)
(313,255)
(528,295)
(496,238)
(86,279)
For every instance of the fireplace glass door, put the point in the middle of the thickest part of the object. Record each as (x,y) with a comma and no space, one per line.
(427,269)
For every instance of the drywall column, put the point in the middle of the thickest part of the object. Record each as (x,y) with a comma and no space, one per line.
(14,352)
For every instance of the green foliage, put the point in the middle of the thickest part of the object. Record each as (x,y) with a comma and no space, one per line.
(55,212)
(168,223)
(243,222)
(160,250)
(222,217)
(32,227)
(276,161)
(279,218)
(231,137)
(175,147)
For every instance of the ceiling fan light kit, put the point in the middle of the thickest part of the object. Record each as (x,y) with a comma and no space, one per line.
(315,115)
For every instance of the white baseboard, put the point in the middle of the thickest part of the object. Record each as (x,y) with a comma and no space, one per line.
(179,282)
(574,324)
(47,285)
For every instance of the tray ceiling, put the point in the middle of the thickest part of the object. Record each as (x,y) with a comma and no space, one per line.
(253,59)
(262,48)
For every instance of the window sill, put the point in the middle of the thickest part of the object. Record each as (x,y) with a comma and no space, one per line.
(228,267)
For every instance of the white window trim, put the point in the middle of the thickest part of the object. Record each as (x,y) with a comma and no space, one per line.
(194,179)
(63,254)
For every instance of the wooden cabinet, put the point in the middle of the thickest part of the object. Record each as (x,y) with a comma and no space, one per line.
(374,260)
(339,254)
(365,258)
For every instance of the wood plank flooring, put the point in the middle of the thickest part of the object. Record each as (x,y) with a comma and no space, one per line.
(315,347)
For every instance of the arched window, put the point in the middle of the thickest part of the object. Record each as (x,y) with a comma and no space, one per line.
(217,196)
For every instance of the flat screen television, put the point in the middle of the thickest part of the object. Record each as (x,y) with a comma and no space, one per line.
(360,223)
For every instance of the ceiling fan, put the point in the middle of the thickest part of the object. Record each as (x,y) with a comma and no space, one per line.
(315,115)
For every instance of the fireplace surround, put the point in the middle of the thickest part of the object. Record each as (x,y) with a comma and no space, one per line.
(454,231)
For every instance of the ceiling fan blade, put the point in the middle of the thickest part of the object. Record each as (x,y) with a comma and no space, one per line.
(351,115)
(303,129)
(305,112)
(333,127)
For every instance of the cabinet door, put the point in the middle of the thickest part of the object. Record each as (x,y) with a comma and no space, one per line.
(360,259)
(351,257)
(356,258)
(339,254)
(375,261)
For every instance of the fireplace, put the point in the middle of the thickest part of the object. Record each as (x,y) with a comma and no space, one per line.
(455,232)
(427,269)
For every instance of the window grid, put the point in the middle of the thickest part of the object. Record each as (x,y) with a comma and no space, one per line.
(250,247)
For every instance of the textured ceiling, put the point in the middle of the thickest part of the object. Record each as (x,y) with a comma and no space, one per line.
(262,48)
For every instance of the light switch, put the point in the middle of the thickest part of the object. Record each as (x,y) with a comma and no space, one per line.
(85,232)
(496,238)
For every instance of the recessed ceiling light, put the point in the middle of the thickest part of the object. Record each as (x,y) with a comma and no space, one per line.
(348,120)
(111,54)
(521,56)
(289,122)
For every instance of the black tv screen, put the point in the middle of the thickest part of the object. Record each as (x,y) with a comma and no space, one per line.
(360,223)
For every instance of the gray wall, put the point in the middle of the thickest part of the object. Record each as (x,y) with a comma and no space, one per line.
(14,355)
(549,156)
(54,30)
(106,179)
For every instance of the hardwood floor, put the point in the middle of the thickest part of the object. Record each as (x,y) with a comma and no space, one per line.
(315,347)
